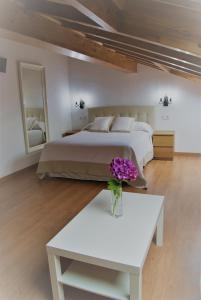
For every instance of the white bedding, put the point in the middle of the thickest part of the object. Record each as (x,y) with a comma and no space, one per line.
(35,137)
(94,148)
(140,141)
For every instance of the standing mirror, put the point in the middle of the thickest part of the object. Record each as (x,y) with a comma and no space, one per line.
(34,106)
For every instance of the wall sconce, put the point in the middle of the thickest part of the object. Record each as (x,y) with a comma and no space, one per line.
(165,101)
(80,104)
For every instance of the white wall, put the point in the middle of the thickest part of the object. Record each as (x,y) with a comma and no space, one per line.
(98,86)
(12,145)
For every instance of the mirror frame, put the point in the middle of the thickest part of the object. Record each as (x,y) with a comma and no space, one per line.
(40,68)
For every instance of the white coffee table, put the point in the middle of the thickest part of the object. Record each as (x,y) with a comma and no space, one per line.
(107,253)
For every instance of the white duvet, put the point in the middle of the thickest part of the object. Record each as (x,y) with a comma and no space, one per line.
(35,137)
(77,156)
(140,141)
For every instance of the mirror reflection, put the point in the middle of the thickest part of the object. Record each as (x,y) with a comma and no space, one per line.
(32,78)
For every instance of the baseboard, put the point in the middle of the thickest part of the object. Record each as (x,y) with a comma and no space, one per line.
(187,154)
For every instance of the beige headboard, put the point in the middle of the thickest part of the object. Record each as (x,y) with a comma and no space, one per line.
(141,113)
(35,112)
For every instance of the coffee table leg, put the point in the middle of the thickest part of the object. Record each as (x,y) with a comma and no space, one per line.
(136,286)
(159,229)
(55,273)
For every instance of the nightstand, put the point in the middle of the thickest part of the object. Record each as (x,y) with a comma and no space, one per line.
(163,142)
(70,132)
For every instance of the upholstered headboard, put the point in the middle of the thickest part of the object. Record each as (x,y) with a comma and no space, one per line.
(141,113)
(35,112)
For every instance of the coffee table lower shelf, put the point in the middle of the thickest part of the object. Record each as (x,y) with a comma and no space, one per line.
(98,280)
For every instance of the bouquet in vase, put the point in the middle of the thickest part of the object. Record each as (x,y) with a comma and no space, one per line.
(122,170)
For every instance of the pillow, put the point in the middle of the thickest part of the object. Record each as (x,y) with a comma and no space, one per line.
(101,124)
(122,124)
(30,121)
(142,126)
(39,125)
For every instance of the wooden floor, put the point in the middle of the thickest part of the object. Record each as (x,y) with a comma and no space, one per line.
(33,211)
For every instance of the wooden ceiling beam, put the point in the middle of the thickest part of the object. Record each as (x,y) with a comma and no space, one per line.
(103,12)
(124,17)
(141,44)
(58,10)
(179,43)
(15,19)
(105,8)
(129,50)
(162,67)
(157,61)
(140,60)
(185,75)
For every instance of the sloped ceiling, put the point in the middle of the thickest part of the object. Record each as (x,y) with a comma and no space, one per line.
(163,34)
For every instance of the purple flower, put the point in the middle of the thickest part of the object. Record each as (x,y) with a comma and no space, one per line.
(123,169)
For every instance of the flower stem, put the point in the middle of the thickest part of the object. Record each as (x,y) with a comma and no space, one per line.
(117,198)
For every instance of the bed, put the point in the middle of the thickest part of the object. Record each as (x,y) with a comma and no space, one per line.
(86,155)
(35,125)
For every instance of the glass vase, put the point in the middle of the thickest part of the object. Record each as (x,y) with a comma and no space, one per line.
(116,202)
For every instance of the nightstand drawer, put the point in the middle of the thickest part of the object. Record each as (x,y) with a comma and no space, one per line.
(163,152)
(163,140)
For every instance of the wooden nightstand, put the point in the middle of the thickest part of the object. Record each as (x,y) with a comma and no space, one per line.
(70,132)
(163,142)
